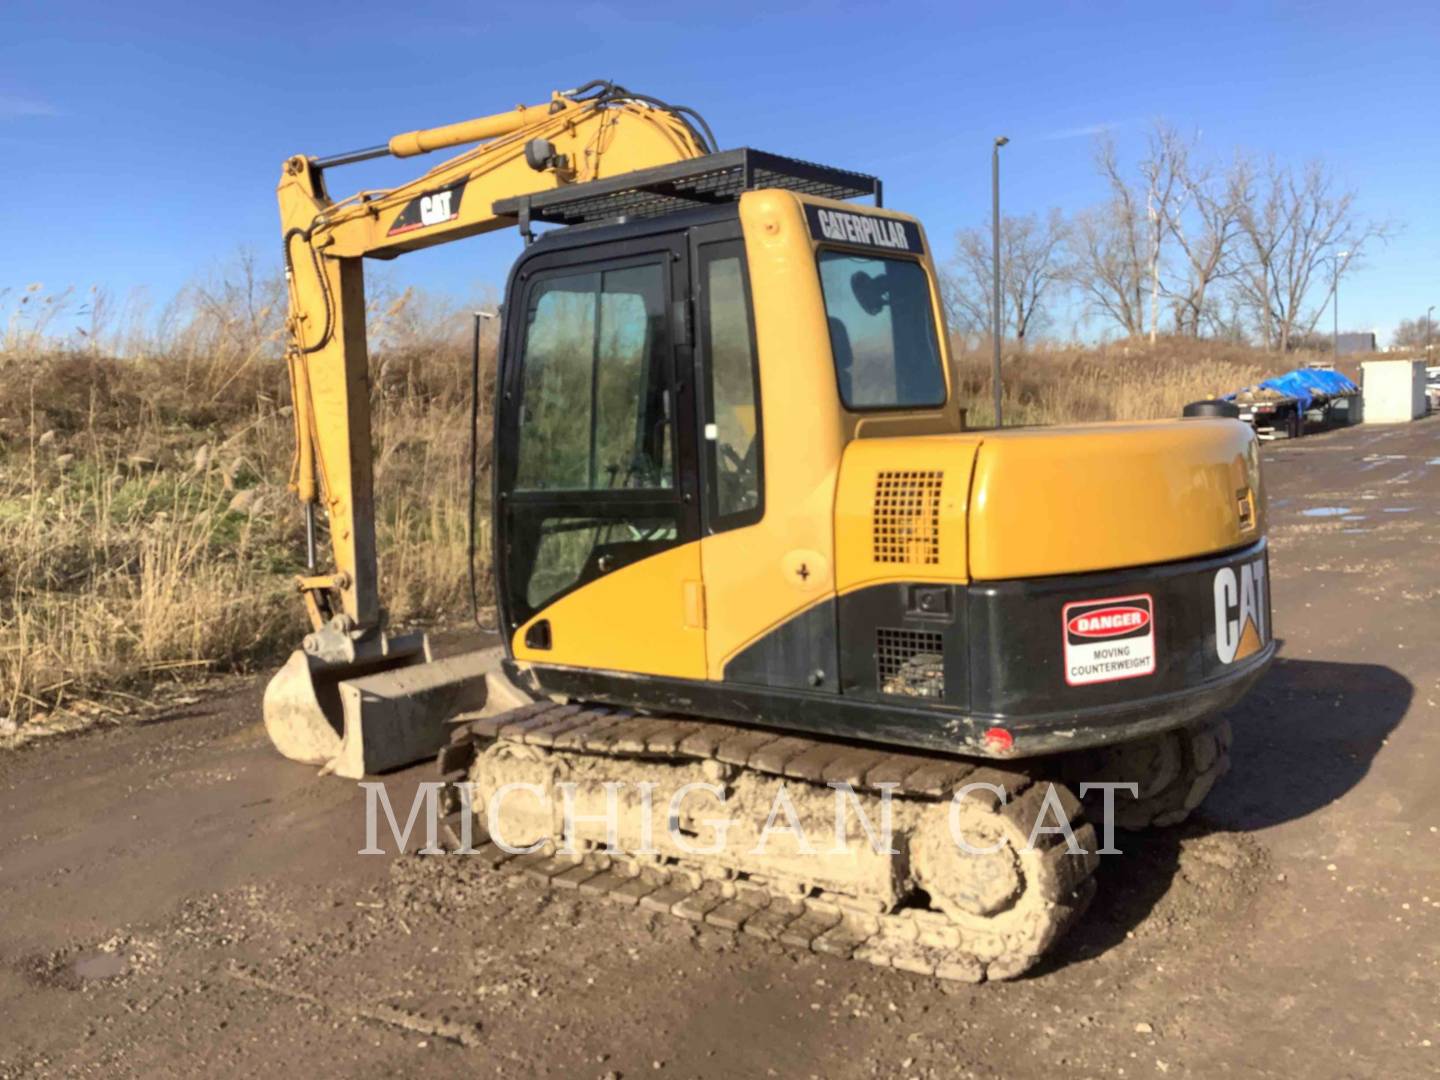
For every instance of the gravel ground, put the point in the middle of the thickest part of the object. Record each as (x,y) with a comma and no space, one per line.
(177,899)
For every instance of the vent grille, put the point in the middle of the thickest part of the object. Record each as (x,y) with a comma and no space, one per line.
(910,663)
(906,517)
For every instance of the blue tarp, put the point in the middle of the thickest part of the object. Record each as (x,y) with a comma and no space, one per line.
(1331,382)
(1304,383)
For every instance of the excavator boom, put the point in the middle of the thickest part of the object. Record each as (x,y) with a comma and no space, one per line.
(595,132)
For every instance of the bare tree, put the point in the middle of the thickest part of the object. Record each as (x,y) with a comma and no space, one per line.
(1205,222)
(966,296)
(1416,333)
(1163,171)
(1225,318)
(1031,264)
(1109,248)
(1105,267)
(1295,229)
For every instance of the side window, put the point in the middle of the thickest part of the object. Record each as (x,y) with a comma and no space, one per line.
(882,331)
(732,428)
(559,353)
(595,400)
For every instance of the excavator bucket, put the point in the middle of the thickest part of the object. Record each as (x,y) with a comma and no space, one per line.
(372,716)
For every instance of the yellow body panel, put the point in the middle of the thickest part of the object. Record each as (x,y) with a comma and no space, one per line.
(759,576)
(900,512)
(749,585)
(1097,497)
(638,618)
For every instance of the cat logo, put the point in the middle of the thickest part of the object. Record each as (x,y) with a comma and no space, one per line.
(431,208)
(1242,611)
(863,230)
(435,208)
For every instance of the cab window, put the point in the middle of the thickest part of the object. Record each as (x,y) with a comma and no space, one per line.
(732,428)
(594,484)
(882,331)
(594,398)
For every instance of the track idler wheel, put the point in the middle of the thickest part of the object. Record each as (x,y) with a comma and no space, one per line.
(1173,772)
(1010,900)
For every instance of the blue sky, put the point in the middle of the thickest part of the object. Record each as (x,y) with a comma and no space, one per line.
(140,143)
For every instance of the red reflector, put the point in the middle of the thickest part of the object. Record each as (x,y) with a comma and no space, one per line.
(997,738)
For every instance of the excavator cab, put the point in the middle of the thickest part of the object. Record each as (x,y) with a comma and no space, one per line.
(642,426)
(733,476)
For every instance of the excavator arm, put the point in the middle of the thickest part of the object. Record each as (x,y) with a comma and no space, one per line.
(595,132)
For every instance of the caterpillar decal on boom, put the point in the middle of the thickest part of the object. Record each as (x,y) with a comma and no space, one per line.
(742,534)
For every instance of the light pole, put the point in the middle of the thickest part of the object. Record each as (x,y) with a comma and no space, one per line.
(995,236)
(1335,306)
(1427,331)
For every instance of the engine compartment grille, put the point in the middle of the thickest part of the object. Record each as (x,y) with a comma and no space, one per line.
(910,663)
(905,523)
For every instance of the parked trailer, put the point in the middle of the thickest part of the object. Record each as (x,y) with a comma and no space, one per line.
(1308,398)
(1272,414)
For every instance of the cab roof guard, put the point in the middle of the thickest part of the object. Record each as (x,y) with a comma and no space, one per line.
(701,181)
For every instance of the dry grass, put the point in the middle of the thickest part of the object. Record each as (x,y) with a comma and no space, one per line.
(1110,382)
(145,529)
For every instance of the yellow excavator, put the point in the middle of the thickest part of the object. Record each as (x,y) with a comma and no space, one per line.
(746,546)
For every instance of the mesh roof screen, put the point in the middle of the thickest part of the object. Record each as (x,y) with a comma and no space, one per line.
(685,185)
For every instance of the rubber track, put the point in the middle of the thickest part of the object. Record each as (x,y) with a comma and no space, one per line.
(910,939)
(1175,771)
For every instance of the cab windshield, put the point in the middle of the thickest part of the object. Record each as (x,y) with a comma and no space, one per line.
(882,331)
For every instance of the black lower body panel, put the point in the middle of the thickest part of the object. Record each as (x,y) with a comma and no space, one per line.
(998,669)
(917,727)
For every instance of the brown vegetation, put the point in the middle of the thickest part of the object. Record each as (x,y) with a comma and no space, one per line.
(1126,381)
(145,527)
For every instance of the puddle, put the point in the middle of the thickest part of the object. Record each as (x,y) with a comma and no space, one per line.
(1433,461)
(1353,517)
(1326,511)
(100,966)
(1399,509)
(1354,532)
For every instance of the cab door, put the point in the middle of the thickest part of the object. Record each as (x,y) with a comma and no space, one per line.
(766,457)
(597,552)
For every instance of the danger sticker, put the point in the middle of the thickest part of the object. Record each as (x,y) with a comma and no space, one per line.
(1109,639)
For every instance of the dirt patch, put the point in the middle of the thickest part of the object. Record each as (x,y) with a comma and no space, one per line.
(1290,930)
